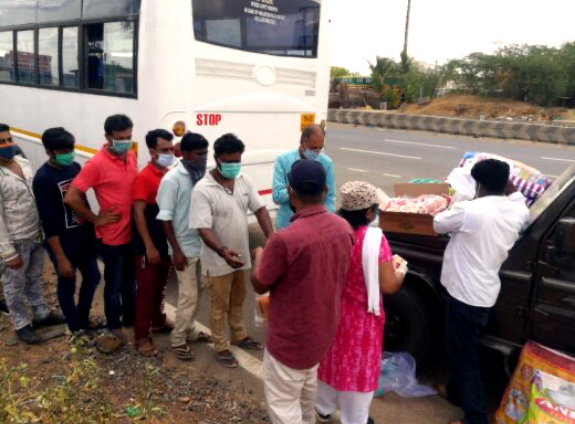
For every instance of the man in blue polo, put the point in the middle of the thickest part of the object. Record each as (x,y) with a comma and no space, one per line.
(311,147)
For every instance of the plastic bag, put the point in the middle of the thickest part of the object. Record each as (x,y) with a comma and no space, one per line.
(534,357)
(552,400)
(398,375)
(262,309)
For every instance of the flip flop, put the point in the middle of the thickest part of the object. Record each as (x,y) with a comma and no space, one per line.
(183,353)
(227,359)
(203,338)
(250,344)
(146,348)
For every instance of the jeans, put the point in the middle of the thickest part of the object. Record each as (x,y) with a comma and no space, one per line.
(77,316)
(120,285)
(228,294)
(190,293)
(26,282)
(464,324)
(152,280)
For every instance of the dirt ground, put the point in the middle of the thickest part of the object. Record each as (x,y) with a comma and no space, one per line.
(473,107)
(69,381)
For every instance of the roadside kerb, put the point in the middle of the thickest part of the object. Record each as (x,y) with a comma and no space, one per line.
(467,127)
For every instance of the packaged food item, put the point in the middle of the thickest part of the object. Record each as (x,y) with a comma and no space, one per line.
(552,401)
(426,204)
(516,402)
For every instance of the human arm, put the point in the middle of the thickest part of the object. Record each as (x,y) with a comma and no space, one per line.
(76,199)
(65,267)
(8,253)
(269,264)
(390,280)
(265,221)
(450,221)
(167,199)
(280,193)
(230,256)
(331,187)
(180,260)
(152,254)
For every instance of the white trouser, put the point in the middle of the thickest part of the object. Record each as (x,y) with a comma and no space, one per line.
(354,406)
(290,394)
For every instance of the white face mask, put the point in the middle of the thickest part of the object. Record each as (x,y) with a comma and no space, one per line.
(165,160)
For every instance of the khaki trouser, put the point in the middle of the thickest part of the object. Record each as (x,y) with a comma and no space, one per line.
(190,293)
(290,394)
(228,295)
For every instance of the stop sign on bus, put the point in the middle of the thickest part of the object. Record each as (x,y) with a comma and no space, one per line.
(208,119)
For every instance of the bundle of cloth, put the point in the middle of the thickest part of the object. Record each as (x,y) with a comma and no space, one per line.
(529,181)
(426,204)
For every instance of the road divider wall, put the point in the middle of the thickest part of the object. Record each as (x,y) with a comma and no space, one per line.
(468,127)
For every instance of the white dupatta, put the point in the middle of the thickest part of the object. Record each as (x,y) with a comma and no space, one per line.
(370,262)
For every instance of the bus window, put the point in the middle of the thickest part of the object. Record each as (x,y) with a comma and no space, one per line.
(48,56)
(70,66)
(110,50)
(104,9)
(26,58)
(58,10)
(276,27)
(7,57)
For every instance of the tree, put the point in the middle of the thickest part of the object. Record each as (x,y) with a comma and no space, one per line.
(339,72)
(383,68)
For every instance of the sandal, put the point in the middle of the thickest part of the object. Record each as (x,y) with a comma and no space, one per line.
(227,359)
(250,344)
(203,338)
(183,353)
(96,323)
(146,348)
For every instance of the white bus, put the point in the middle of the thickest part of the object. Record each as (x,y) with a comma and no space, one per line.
(257,68)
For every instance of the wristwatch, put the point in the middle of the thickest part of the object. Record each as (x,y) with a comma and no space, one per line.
(221,250)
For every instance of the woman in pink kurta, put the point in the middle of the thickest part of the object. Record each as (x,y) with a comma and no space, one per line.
(348,374)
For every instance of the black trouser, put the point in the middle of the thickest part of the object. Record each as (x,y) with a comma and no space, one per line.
(464,324)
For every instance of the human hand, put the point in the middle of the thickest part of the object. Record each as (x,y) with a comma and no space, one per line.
(15,263)
(108,216)
(231,257)
(180,260)
(153,255)
(65,268)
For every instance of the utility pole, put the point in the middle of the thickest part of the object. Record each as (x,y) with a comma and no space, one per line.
(407,26)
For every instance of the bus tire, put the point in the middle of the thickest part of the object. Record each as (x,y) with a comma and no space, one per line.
(409,323)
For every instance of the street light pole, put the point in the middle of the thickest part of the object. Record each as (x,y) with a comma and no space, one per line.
(407,26)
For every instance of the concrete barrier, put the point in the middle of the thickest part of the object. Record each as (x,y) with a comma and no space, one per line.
(467,127)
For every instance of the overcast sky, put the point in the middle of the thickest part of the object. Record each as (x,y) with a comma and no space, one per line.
(443,29)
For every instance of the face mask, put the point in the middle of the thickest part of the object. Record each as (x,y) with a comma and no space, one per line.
(230,170)
(8,153)
(65,159)
(196,164)
(311,154)
(165,160)
(121,146)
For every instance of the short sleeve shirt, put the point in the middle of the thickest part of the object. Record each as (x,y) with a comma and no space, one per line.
(225,213)
(112,180)
(305,266)
(145,189)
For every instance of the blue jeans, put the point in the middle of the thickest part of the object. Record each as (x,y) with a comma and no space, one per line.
(120,288)
(26,282)
(77,316)
(464,324)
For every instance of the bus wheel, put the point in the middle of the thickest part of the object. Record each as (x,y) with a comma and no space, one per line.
(408,323)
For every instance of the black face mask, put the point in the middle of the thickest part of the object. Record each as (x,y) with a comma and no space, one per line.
(196,168)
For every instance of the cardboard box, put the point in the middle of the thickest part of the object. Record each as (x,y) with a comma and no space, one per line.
(412,223)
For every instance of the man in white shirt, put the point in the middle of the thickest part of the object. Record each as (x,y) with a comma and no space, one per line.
(482,233)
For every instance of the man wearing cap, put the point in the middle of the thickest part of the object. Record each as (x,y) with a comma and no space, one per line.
(312,144)
(304,268)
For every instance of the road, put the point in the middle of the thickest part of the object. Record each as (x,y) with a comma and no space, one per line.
(384,157)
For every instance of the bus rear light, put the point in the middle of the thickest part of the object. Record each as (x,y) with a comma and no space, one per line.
(179,129)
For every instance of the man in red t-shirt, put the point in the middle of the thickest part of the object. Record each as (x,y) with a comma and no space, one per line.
(111,174)
(153,261)
(304,267)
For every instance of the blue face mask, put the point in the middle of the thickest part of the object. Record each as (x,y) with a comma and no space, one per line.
(8,153)
(311,154)
(165,161)
(121,146)
(230,170)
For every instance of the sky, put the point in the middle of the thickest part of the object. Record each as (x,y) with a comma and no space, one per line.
(443,29)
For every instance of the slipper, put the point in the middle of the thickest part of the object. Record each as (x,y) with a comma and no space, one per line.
(96,323)
(183,353)
(203,338)
(146,348)
(227,359)
(250,344)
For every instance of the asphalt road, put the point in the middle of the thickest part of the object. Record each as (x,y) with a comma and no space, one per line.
(385,157)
